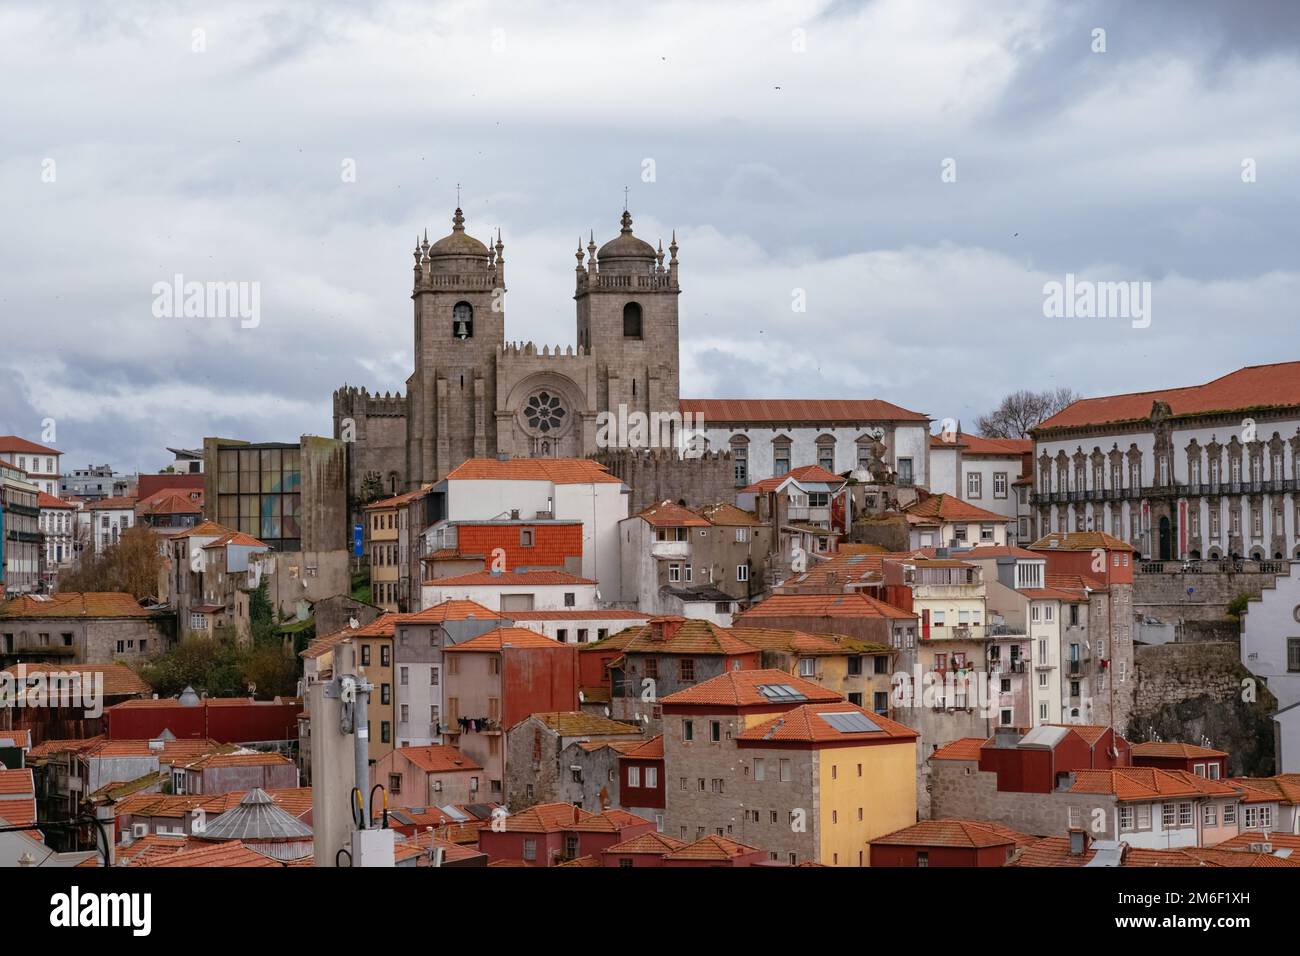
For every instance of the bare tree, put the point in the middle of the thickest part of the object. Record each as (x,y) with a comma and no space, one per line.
(130,565)
(1022,410)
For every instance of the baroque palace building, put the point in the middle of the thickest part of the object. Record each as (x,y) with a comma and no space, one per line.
(473,394)
(1208,471)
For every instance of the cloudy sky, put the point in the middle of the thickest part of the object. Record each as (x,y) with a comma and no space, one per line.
(794,146)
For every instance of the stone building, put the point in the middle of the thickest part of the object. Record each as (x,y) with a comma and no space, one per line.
(554,757)
(72,627)
(1207,471)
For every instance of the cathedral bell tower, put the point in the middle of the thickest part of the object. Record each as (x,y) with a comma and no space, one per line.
(459,296)
(627,319)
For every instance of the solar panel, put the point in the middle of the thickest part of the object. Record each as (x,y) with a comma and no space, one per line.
(780,692)
(850,722)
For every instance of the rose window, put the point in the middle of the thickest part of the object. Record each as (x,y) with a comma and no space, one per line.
(544,412)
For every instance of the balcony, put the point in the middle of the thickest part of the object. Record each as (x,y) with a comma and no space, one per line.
(1041,666)
(1007,630)
(959,632)
(1075,668)
(670,550)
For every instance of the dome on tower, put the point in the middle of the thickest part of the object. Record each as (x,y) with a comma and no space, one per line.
(459,243)
(626,245)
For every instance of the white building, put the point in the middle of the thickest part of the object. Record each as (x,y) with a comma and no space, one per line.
(109,520)
(1207,471)
(1270,649)
(983,472)
(39,464)
(769,437)
(942,521)
(577,627)
(551,489)
(515,591)
(59,525)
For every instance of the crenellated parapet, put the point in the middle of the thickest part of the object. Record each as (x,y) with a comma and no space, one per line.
(356,402)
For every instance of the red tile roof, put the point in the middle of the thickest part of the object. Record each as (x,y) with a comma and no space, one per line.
(1175,750)
(49,502)
(74,604)
(652,749)
(121,503)
(949,508)
(509,579)
(17,782)
(546,818)
(118,680)
(579,723)
(558,471)
(653,843)
(236,538)
(438,758)
(610,821)
(1283,788)
(741,689)
(712,848)
(667,514)
(456,610)
(964,748)
(172,501)
(1253,387)
(797,410)
(212,761)
(971,834)
(729,516)
(504,636)
(224,855)
(804,473)
(673,635)
(1147,783)
(398,500)
(1079,541)
(1055,851)
(853,604)
(10,443)
(809,724)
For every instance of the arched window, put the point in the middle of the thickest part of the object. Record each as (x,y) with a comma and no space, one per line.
(631,321)
(462,321)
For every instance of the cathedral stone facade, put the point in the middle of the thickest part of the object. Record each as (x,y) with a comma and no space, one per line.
(473,394)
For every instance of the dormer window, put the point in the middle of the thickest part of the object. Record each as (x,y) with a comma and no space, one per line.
(631,321)
(462,321)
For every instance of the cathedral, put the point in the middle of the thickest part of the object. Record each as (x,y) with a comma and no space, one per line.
(473,394)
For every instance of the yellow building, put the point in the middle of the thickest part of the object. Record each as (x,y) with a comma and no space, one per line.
(864,765)
(374,648)
(383,533)
(861,671)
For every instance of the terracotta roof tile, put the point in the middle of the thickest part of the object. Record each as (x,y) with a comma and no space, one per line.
(558,471)
(509,579)
(667,514)
(1147,783)
(74,604)
(852,604)
(742,689)
(1079,541)
(728,515)
(1176,750)
(815,724)
(232,854)
(653,843)
(711,848)
(546,818)
(964,748)
(398,500)
(10,443)
(971,834)
(505,636)
(457,610)
(48,502)
(606,614)
(579,723)
(610,821)
(813,474)
(1253,387)
(950,508)
(438,758)
(797,410)
(652,749)
(668,634)
(118,680)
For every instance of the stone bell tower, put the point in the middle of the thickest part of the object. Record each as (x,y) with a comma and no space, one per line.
(459,296)
(627,319)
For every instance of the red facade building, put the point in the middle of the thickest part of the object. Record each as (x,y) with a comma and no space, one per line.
(1201,761)
(948,843)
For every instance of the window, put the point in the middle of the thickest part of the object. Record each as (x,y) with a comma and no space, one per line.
(922,858)
(385,732)
(385,655)
(780,458)
(742,535)
(760,769)
(974,484)
(1293,654)
(1168,812)
(1127,817)
(740,461)
(525,537)
(715,730)
(785,770)
(462,321)
(570,599)
(530,849)
(1210,816)
(686,669)
(394,783)
(999,484)
(688,731)
(632,321)
(674,573)
(826,455)
(807,667)
(1229,813)
(365,655)
(742,572)
(986,532)
(652,777)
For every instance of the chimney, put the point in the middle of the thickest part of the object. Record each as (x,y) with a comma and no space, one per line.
(1078,842)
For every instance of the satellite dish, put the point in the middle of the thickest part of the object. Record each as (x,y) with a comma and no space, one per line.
(606,711)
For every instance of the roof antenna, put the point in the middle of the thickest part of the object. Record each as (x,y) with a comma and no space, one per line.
(625,199)
(458,195)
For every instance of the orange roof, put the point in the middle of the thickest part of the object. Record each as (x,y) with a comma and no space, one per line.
(666,514)
(17,782)
(1057,581)
(456,610)
(74,604)
(118,680)
(714,848)
(21,737)
(172,501)
(797,410)
(48,747)
(558,471)
(728,515)
(509,579)
(438,758)
(806,644)
(964,748)
(844,569)
(816,724)
(809,473)
(204,529)
(505,637)
(1283,788)
(1253,387)
(579,723)
(609,821)
(1162,749)
(232,854)
(172,751)
(14,443)
(148,850)
(382,626)
(258,759)
(546,818)
(1079,541)
(294,800)
(742,689)
(398,500)
(971,834)
(120,503)
(673,635)
(1280,841)
(1055,851)
(850,604)
(236,538)
(48,502)
(652,749)
(1147,783)
(652,842)
(606,614)
(949,508)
